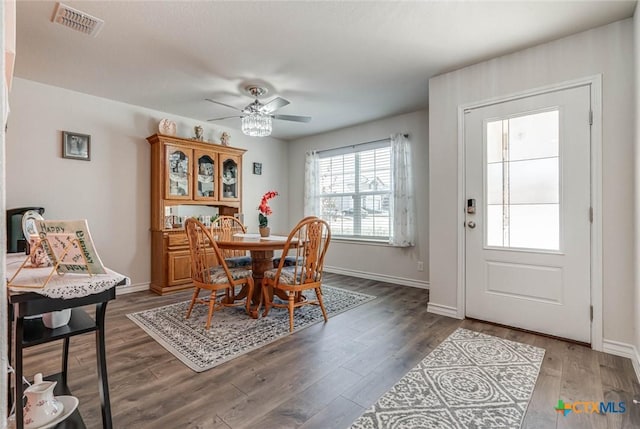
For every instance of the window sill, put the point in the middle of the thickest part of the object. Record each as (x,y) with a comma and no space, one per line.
(362,241)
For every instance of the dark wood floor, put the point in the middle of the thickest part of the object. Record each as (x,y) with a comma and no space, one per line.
(321,377)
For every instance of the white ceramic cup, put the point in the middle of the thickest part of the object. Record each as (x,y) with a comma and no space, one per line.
(56,319)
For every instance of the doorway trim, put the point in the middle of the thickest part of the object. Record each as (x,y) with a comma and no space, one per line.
(595,85)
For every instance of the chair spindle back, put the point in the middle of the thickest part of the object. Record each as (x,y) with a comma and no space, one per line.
(225,227)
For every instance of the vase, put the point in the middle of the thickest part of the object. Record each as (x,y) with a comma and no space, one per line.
(265,231)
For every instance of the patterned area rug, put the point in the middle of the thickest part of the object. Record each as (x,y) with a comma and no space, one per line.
(200,349)
(471,380)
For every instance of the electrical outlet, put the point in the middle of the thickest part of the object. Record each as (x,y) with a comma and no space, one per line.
(420,266)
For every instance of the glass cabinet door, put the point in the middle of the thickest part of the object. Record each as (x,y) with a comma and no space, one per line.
(230,178)
(178,173)
(205,174)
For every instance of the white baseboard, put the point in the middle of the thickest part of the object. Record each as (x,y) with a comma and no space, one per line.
(381,277)
(636,364)
(122,290)
(624,350)
(443,310)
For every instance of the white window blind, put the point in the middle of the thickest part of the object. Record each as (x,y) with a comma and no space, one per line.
(355,190)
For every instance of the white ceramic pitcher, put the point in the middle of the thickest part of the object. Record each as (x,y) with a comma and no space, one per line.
(42,407)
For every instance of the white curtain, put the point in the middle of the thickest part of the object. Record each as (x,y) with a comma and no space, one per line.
(402,201)
(311,184)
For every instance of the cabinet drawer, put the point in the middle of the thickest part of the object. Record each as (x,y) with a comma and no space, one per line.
(178,240)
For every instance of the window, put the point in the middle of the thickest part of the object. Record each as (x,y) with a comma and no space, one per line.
(523,181)
(355,190)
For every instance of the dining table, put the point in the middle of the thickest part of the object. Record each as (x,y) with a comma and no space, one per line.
(262,250)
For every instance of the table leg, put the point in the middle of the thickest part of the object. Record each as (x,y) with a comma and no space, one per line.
(9,351)
(103,383)
(65,360)
(261,261)
(18,331)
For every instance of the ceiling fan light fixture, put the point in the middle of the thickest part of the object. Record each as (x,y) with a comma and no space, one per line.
(256,125)
(256,118)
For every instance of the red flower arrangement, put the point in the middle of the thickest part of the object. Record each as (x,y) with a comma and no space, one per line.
(264,208)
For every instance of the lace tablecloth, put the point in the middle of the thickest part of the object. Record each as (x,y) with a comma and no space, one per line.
(65,286)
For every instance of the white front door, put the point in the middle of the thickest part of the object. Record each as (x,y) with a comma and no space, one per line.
(527,240)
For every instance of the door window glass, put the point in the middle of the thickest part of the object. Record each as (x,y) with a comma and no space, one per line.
(523,182)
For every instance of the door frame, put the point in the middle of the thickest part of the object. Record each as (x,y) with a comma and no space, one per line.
(595,84)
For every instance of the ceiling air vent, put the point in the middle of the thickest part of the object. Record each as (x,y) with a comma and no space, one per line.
(77,20)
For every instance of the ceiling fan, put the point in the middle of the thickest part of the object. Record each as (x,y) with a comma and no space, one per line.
(256,117)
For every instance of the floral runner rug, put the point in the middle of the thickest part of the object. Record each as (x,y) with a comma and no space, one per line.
(471,380)
(232,332)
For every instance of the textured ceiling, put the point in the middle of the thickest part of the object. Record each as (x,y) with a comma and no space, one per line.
(342,63)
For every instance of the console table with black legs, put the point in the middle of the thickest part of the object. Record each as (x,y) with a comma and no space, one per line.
(26,332)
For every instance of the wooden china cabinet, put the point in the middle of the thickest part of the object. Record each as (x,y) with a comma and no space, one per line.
(188,178)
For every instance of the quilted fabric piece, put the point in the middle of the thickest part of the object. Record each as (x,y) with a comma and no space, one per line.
(238,261)
(218,276)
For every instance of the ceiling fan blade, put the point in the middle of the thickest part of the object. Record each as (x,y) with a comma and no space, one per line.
(222,104)
(224,117)
(292,118)
(274,105)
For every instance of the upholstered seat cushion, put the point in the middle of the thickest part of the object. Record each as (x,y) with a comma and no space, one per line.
(289,261)
(218,276)
(238,261)
(288,275)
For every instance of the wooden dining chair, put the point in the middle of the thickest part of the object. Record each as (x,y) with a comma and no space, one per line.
(310,240)
(289,260)
(224,227)
(209,271)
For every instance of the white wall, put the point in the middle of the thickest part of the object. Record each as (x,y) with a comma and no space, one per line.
(112,190)
(607,50)
(377,261)
(4,360)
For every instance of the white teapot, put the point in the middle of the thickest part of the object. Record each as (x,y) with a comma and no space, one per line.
(42,407)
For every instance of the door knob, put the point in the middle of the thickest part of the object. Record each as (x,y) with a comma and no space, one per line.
(471,224)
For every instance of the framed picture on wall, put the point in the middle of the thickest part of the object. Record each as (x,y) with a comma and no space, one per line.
(76,146)
(257,168)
